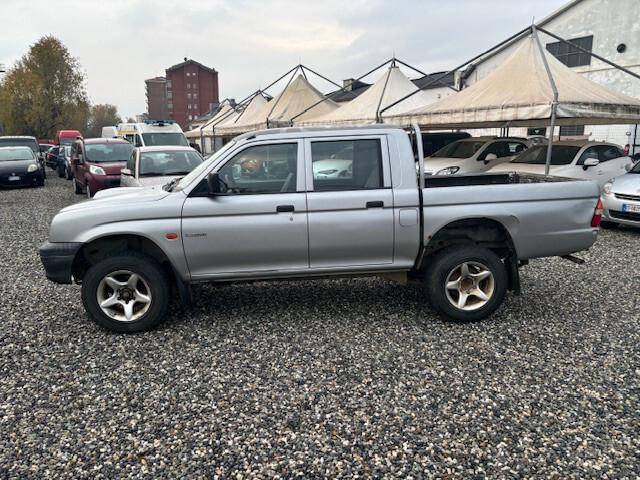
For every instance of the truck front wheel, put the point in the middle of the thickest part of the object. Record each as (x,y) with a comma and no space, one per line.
(126,293)
(466,283)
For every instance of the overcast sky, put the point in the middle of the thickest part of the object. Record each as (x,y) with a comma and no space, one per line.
(120,43)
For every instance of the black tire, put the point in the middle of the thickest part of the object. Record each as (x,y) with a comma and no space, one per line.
(445,262)
(41,181)
(608,225)
(60,169)
(68,173)
(149,270)
(77,188)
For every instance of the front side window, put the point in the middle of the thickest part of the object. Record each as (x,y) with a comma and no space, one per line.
(515,148)
(156,164)
(608,152)
(131,163)
(261,169)
(347,165)
(107,152)
(591,152)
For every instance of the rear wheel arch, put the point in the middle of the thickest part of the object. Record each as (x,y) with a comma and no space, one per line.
(477,231)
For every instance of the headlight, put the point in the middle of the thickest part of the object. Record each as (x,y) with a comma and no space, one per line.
(607,187)
(448,171)
(96,170)
(33,168)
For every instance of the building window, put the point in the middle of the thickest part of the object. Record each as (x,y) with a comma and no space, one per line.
(537,131)
(168,84)
(188,95)
(572,131)
(169,94)
(190,117)
(170,105)
(195,96)
(571,56)
(188,85)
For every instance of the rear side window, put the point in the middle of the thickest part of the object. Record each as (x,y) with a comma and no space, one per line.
(347,165)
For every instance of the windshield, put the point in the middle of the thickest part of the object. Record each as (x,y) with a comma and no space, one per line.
(67,140)
(459,150)
(20,142)
(636,168)
(12,154)
(196,172)
(537,155)
(155,164)
(157,139)
(108,152)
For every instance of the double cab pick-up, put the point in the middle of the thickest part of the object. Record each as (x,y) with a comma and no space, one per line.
(300,203)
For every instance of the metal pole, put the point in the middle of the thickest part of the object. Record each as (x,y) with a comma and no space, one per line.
(554,104)
(441,82)
(304,67)
(441,76)
(420,149)
(583,50)
(384,88)
(275,103)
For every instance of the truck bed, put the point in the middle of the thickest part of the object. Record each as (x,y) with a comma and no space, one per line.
(544,215)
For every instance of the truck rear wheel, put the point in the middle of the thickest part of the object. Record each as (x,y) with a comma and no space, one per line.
(465,283)
(126,293)
(77,188)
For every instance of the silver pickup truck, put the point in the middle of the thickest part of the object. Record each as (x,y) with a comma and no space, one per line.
(301,203)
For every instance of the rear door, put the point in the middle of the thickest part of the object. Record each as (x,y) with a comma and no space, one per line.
(349,201)
(258,227)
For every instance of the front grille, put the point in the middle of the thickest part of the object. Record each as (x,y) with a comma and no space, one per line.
(622,196)
(625,215)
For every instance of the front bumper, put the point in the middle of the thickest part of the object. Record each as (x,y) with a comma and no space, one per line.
(102,182)
(30,178)
(57,259)
(613,210)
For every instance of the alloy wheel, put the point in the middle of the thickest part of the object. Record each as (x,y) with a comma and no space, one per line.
(124,295)
(470,286)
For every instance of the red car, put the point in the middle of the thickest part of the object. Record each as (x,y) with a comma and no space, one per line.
(96,163)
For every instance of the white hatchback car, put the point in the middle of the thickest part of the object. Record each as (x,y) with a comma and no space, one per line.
(158,165)
(597,161)
(474,154)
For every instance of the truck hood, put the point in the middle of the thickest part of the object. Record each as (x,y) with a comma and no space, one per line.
(156,181)
(522,168)
(119,196)
(628,184)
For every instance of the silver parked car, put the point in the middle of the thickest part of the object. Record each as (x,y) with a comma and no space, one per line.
(158,165)
(621,198)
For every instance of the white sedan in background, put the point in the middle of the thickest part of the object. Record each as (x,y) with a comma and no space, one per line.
(474,154)
(597,161)
(621,198)
(159,165)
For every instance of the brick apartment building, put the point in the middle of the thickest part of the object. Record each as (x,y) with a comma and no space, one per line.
(188,90)
(157,108)
(191,90)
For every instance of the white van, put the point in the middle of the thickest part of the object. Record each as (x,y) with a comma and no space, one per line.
(153,133)
(109,132)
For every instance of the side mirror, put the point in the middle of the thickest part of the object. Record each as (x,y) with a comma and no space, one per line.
(489,157)
(214,183)
(590,162)
(127,172)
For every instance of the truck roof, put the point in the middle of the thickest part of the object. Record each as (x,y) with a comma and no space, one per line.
(321,131)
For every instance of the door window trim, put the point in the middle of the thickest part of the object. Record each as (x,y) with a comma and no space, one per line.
(384,151)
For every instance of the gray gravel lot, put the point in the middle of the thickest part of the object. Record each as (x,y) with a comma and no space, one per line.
(320,379)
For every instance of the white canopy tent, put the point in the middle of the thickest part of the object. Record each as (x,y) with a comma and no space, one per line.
(254,106)
(365,109)
(522,92)
(297,96)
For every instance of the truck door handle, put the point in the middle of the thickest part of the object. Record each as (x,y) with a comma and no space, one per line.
(285,208)
(376,204)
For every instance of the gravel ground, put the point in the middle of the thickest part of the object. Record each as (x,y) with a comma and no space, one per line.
(320,379)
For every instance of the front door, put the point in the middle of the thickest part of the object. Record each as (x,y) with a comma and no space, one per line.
(258,226)
(350,202)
